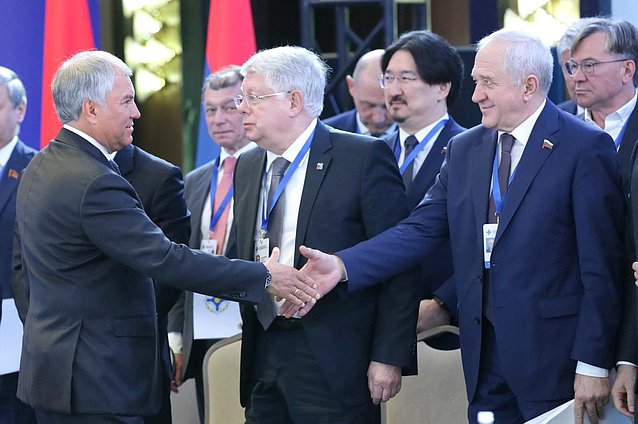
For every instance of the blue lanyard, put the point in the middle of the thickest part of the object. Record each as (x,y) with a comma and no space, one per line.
(224,204)
(418,148)
(499,201)
(618,139)
(284,181)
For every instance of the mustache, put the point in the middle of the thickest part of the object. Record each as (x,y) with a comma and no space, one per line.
(397,99)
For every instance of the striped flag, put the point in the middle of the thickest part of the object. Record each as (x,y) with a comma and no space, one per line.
(67,30)
(230,41)
(24,41)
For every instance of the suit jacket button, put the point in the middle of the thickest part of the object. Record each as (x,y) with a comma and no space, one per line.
(477,320)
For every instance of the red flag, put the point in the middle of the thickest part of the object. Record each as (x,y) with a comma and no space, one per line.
(230,41)
(67,30)
(231,35)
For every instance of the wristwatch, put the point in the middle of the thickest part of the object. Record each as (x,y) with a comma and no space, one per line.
(268,278)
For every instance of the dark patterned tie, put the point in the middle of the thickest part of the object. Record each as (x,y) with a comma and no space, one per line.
(504,168)
(410,143)
(276,217)
(266,309)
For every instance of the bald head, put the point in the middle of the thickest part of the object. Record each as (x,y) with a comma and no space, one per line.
(368,96)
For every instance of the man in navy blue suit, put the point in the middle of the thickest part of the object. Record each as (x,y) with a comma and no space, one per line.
(369,115)
(14,157)
(422,76)
(539,314)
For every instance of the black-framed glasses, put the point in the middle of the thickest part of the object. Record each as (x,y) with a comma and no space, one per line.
(253,100)
(387,79)
(587,66)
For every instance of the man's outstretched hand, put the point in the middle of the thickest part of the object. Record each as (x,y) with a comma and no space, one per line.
(296,287)
(324,270)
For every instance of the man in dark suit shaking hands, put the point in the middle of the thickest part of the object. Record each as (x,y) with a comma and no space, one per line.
(539,314)
(335,189)
(89,252)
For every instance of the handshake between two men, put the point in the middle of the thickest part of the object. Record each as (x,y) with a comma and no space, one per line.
(302,288)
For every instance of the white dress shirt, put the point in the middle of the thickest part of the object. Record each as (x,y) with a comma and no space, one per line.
(419,159)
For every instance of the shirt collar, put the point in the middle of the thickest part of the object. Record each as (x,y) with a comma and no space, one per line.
(420,135)
(5,152)
(105,152)
(293,150)
(224,154)
(621,115)
(362,129)
(524,130)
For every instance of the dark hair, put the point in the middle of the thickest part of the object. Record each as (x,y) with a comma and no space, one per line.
(437,61)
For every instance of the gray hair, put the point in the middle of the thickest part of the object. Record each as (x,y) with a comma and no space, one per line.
(17,93)
(292,68)
(566,41)
(224,78)
(622,38)
(525,54)
(88,75)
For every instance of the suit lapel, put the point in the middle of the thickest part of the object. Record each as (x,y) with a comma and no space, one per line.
(533,158)
(315,174)
(196,200)
(11,174)
(481,176)
(430,168)
(125,161)
(630,137)
(248,186)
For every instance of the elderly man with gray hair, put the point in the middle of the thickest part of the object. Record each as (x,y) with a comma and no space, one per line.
(90,253)
(310,184)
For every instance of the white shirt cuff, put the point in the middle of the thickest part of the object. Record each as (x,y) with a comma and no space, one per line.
(175,342)
(591,370)
(625,363)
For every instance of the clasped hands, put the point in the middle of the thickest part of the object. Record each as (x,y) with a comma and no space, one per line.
(302,288)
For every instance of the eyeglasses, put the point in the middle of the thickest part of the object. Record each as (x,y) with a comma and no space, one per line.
(588,67)
(387,80)
(253,100)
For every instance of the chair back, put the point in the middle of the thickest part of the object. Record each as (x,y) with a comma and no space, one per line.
(437,394)
(221,382)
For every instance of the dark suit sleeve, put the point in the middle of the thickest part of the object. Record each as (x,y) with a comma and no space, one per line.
(19,282)
(169,212)
(404,245)
(383,205)
(628,340)
(141,245)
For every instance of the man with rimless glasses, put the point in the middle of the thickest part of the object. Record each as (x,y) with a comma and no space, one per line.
(603,66)
(310,184)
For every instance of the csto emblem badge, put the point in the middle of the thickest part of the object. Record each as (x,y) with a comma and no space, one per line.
(216,305)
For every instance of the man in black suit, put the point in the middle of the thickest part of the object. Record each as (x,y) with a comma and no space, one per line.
(14,157)
(211,219)
(422,76)
(89,252)
(310,184)
(160,188)
(603,67)
(370,115)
